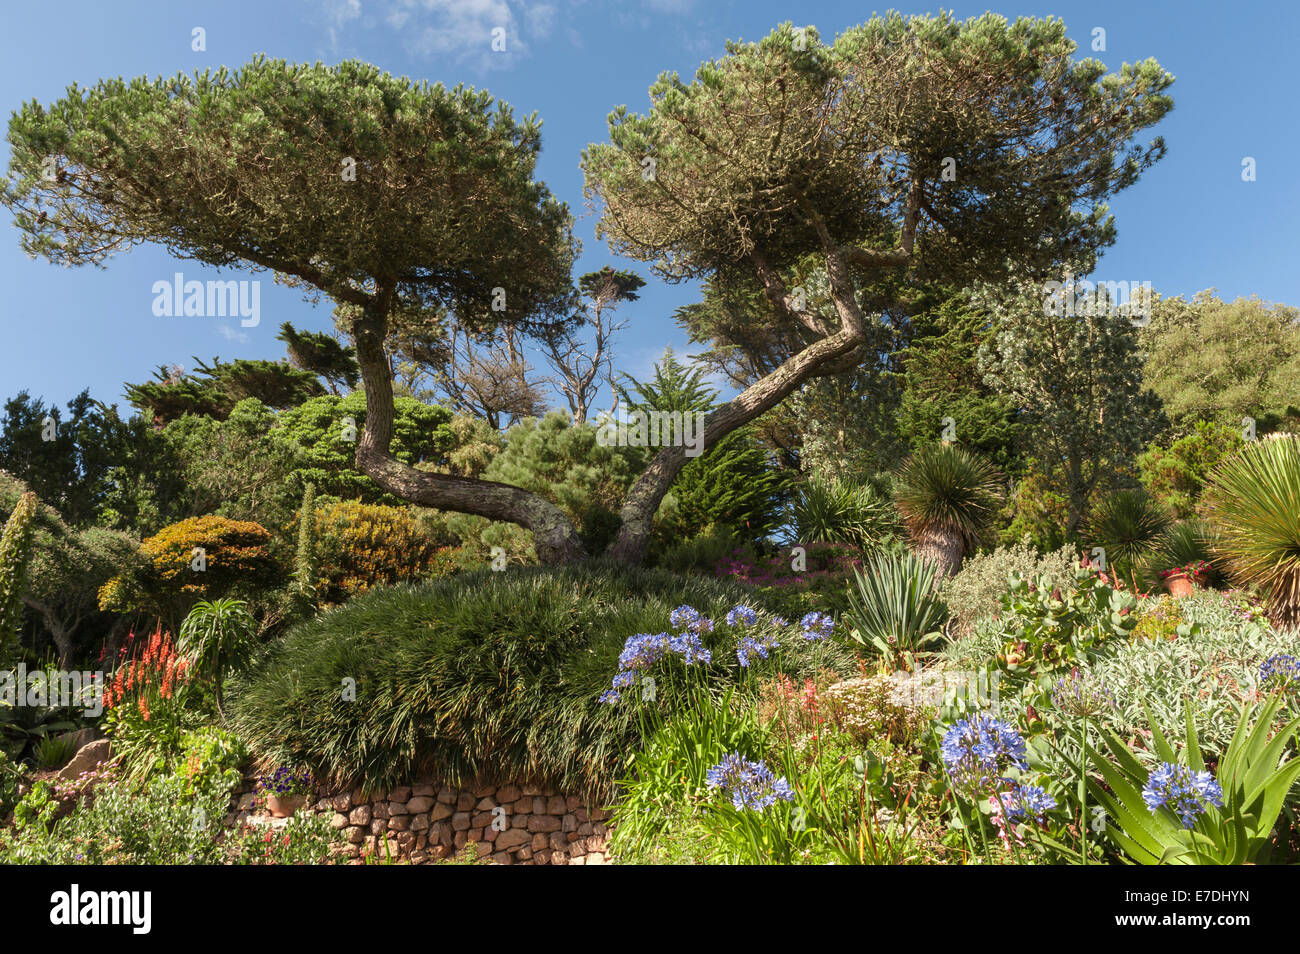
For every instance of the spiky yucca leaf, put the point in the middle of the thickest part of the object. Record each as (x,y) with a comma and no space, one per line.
(1254,505)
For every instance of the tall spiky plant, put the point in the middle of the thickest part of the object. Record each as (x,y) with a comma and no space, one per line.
(947,497)
(15,554)
(1128,525)
(1254,504)
(306,563)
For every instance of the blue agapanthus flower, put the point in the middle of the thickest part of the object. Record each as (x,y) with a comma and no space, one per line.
(691,648)
(751,785)
(979,749)
(610,695)
(643,650)
(817,626)
(1186,793)
(1025,803)
(750,647)
(742,616)
(1282,669)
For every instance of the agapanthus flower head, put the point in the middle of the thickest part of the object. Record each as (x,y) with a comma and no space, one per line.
(750,647)
(1281,671)
(1082,696)
(751,785)
(817,626)
(741,616)
(682,617)
(1026,803)
(690,647)
(610,696)
(643,650)
(978,750)
(1186,793)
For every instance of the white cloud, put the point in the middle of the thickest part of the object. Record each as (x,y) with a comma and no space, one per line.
(231,333)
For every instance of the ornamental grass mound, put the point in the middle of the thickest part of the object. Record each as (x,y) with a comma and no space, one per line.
(492,677)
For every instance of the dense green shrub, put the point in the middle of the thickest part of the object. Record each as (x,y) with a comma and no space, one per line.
(838,511)
(975,592)
(1128,525)
(1176,475)
(483,675)
(15,554)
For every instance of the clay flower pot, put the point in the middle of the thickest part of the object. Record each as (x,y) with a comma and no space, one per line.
(1180,585)
(283,806)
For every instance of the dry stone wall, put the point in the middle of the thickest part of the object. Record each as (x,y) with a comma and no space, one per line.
(508,824)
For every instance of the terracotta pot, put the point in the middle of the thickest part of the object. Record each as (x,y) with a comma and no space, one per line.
(1180,586)
(283,806)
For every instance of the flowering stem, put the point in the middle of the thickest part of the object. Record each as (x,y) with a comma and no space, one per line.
(1083,792)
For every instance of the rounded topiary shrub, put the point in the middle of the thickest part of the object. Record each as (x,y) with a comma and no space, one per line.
(483,676)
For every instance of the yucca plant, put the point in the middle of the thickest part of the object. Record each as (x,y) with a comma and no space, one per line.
(1128,525)
(1252,778)
(1254,506)
(839,511)
(947,497)
(895,605)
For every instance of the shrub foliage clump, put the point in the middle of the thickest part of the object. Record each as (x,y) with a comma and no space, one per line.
(484,676)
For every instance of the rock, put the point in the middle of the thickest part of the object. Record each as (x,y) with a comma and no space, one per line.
(539,842)
(398,808)
(502,858)
(446,796)
(378,825)
(419,857)
(555,805)
(486,803)
(419,822)
(543,823)
(511,838)
(399,823)
(464,802)
(339,820)
(507,794)
(569,823)
(460,821)
(419,804)
(342,803)
(424,791)
(88,757)
(558,842)
(360,815)
(380,810)
(572,802)
(596,859)
(399,794)
(440,811)
(585,828)
(356,835)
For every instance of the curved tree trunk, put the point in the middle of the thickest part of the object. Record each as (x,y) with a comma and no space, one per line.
(554,536)
(648,492)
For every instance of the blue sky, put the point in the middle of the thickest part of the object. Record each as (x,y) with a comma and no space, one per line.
(1191,223)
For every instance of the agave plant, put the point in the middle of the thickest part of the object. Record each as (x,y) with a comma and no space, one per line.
(1128,525)
(947,497)
(1254,506)
(837,511)
(895,606)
